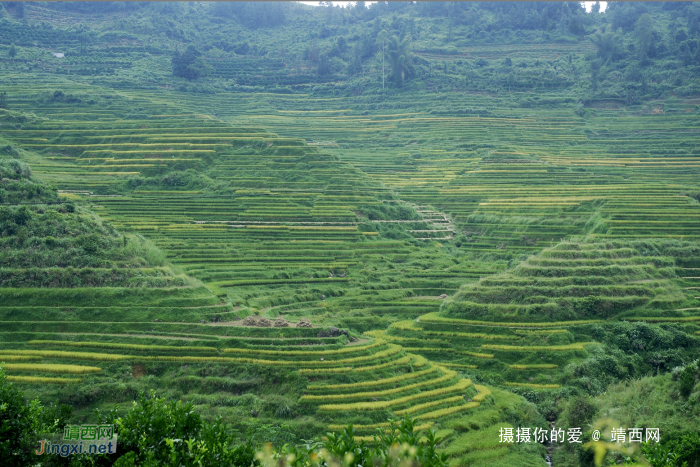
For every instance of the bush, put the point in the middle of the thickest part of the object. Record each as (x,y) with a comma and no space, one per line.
(90,243)
(156,432)
(12,168)
(680,448)
(579,411)
(190,64)
(22,422)
(687,379)
(402,440)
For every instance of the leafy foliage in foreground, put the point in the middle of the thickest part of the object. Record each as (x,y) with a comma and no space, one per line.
(22,422)
(401,445)
(669,402)
(157,432)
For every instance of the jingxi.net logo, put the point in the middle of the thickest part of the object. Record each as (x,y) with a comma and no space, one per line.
(81,439)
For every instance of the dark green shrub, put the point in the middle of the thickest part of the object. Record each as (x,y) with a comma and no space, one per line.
(91,243)
(579,411)
(157,432)
(687,380)
(22,215)
(283,411)
(22,422)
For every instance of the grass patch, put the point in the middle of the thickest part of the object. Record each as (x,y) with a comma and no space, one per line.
(51,368)
(107,345)
(41,380)
(534,386)
(543,366)
(537,348)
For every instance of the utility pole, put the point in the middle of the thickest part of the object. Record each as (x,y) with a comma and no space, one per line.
(383,65)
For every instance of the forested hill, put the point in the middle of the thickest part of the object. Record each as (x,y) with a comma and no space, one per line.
(631,52)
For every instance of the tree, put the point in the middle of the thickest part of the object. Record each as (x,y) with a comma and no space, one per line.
(400,59)
(190,64)
(608,45)
(679,447)
(595,8)
(382,38)
(324,64)
(241,49)
(22,422)
(595,69)
(84,38)
(313,53)
(341,45)
(367,46)
(402,444)
(157,432)
(15,423)
(687,379)
(12,52)
(644,32)
(253,14)
(510,80)
(694,26)
(355,65)
(576,26)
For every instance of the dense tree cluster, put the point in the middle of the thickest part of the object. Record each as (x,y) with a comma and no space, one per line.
(253,14)
(642,49)
(190,64)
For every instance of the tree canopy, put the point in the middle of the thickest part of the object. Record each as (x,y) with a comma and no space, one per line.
(190,64)
(400,58)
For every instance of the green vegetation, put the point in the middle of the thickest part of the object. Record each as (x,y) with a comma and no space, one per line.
(670,402)
(73,369)
(157,432)
(293,219)
(580,280)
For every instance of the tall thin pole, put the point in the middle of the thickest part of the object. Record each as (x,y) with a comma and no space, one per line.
(383,65)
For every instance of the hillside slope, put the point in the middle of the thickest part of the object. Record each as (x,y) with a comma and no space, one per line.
(505,222)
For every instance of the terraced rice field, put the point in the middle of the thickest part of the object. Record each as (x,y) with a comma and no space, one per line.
(510,178)
(368,382)
(567,291)
(457,245)
(290,232)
